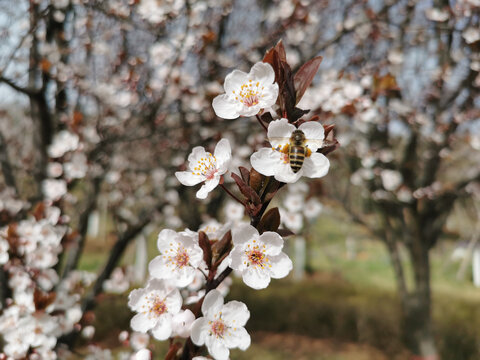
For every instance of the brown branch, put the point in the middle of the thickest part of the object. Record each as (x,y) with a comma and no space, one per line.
(7,171)
(32,93)
(76,252)
(115,255)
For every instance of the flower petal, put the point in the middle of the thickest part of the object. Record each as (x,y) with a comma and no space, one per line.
(182,323)
(273,242)
(234,80)
(314,133)
(188,178)
(226,107)
(237,258)
(174,301)
(197,153)
(217,349)
(315,166)
(212,303)
(266,161)
(281,266)
(250,110)
(243,233)
(285,173)
(164,239)
(256,278)
(142,322)
(262,72)
(238,337)
(163,329)
(183,276)
(269,96)
(207,187)
(223,153)
(235,313)
(199,331)
(279,132)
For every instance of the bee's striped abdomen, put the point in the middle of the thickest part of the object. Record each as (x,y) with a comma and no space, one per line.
(296,156)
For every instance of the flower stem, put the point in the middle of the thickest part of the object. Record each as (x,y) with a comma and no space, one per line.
(232,195)
(261,122)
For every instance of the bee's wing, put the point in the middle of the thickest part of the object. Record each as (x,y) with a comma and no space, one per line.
(278,141)
(315,142)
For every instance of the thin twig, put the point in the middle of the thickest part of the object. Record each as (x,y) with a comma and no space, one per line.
(261,122)
(232,195)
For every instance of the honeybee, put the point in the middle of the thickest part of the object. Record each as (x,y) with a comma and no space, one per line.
(296,149)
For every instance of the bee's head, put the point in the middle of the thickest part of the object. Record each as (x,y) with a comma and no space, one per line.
(298,136)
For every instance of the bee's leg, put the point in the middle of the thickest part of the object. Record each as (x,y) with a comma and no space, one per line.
(285,149)
(308,152)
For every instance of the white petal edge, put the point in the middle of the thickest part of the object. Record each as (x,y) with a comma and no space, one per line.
(262,72)
(315,166)
(314,133)
(243,233)
(207,187)
(212,303)
(225,107)
(266,161)
(279,132)
(187,178)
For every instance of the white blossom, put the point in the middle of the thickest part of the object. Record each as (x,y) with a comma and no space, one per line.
(139,340)
(258,257)
(275,162)
(54,189)
(142,354)
(391,179)
(246,94)
(205,167)
(222,326)
(179,257)
(155,306)
(234,211)
(436,14)
(77,167)
(63,142)
(471,34)
(312,208)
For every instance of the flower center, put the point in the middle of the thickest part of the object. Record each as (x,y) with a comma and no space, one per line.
(182,258)
(179,258)
(206,166)
(156,306)
(159,307)
(256,256)
(218,328)
(249,94)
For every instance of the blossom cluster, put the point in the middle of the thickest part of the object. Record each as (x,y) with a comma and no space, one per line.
(193,266)
(178,274)
(42,307)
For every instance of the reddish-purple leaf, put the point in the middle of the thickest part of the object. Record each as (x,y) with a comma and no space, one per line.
(256,180)
(270,221)
(304,76)
(222,247)
(205,245)
(245,173)
(246,190)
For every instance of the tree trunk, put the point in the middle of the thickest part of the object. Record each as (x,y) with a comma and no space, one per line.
(416,306)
